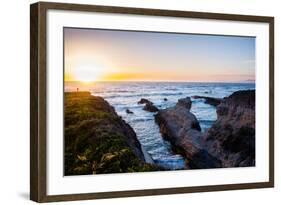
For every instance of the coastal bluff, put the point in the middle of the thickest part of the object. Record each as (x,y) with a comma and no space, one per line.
(230,142)
(97,140)
(232,136)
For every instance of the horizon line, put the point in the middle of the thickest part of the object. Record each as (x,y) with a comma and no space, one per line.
(164,81)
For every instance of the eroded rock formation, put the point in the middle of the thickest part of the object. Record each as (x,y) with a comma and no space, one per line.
(149,106)
(230,142)
(179,126)
(232,136)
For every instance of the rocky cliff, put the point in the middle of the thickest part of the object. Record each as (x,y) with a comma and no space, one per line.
(232,136)
(97,140)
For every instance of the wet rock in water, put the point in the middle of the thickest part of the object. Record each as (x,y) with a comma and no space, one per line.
(165,99)
(150,107)
(209,100)
(143,101)
(232,137)
(129,111)
(185,102)
(179,126)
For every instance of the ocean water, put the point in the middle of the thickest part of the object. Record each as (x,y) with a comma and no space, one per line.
(125,95)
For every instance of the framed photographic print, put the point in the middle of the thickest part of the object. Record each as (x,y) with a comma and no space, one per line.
(134,102)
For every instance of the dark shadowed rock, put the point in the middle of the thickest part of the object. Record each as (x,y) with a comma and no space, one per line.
(232,137)
(165,99)
(179,126)
(150,107)
(129,111)
(143,101)
(185,102)
(209,100)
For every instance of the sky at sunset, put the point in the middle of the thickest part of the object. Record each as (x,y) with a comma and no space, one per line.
(110,55)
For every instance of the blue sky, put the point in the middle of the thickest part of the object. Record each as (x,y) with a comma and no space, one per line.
(136,55)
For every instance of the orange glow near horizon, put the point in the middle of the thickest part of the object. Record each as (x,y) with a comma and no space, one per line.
(83,77)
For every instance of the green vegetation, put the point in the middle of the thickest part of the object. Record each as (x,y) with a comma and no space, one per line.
(94,138)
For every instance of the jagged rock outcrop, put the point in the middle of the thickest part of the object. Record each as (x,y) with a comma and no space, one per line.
(232,137)
(149,106)
(128,111)
(179,126)
(209,100)
(185,102)
(143,101)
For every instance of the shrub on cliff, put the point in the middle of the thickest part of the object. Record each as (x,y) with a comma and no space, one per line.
(97,140)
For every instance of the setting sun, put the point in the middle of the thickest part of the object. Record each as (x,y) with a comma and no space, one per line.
(86,73)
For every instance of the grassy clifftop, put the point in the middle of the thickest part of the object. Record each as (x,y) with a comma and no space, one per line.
(97,140)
